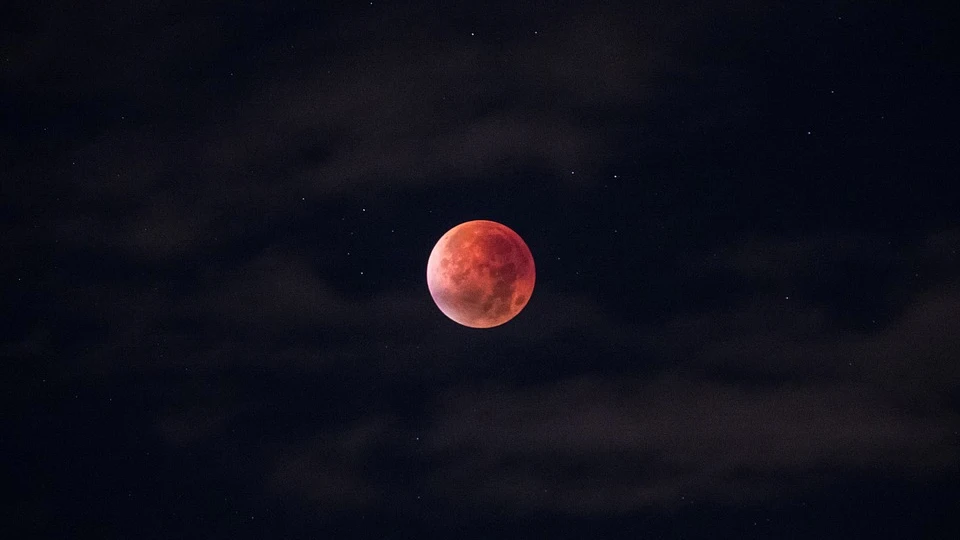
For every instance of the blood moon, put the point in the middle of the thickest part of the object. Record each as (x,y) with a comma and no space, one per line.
(481,274)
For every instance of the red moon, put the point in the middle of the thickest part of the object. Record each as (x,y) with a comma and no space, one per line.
(481,274)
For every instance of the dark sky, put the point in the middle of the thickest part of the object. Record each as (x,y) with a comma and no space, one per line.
(216,224)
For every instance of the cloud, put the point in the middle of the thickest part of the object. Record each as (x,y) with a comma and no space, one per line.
(599,446)
(753,401)
(330,471)
(178,166)
(202,231)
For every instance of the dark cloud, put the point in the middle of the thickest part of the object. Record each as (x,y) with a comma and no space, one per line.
(586,446)
(761,399)
(189,174)
(221,218)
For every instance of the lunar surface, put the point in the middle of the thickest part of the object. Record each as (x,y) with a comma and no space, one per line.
(481,274)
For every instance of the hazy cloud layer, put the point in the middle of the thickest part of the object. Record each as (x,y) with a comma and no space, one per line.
(762,398)
(179,165)
(201,242)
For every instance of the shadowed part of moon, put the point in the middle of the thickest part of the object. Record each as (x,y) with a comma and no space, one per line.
(481,274)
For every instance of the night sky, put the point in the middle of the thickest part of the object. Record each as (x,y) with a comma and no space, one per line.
(216,223)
